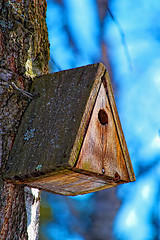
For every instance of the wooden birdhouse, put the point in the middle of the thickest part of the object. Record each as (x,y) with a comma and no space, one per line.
(70,139)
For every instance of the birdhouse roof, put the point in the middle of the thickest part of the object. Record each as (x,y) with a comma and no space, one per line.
(55,121)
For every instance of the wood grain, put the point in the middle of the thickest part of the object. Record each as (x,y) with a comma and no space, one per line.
(101,151)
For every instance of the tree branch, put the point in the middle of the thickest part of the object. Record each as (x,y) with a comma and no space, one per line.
(123,38)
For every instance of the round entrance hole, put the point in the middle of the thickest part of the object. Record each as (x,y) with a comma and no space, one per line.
(102,116)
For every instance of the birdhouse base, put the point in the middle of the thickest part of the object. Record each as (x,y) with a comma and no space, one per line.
(70,182)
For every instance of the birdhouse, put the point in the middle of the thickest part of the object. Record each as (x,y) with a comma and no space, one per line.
(70,139)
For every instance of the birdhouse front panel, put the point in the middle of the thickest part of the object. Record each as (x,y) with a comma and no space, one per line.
(70,139)
(101,151)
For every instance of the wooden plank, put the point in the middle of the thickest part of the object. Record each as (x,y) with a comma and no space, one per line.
(101,151)
(109,92)
(70,183)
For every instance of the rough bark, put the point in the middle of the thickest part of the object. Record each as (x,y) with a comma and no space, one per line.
(24,53)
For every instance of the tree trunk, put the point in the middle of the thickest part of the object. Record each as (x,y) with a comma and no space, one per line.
(24,53)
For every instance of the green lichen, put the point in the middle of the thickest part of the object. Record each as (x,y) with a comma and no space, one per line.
(29,69)
(87,165)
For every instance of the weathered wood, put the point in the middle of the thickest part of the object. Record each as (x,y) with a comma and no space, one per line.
(70,140)
(101,151)
(109,91)
(70,182)
(48,133)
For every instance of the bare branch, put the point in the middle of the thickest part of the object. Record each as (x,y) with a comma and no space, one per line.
(55,64)
(123,38)
(14,86)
